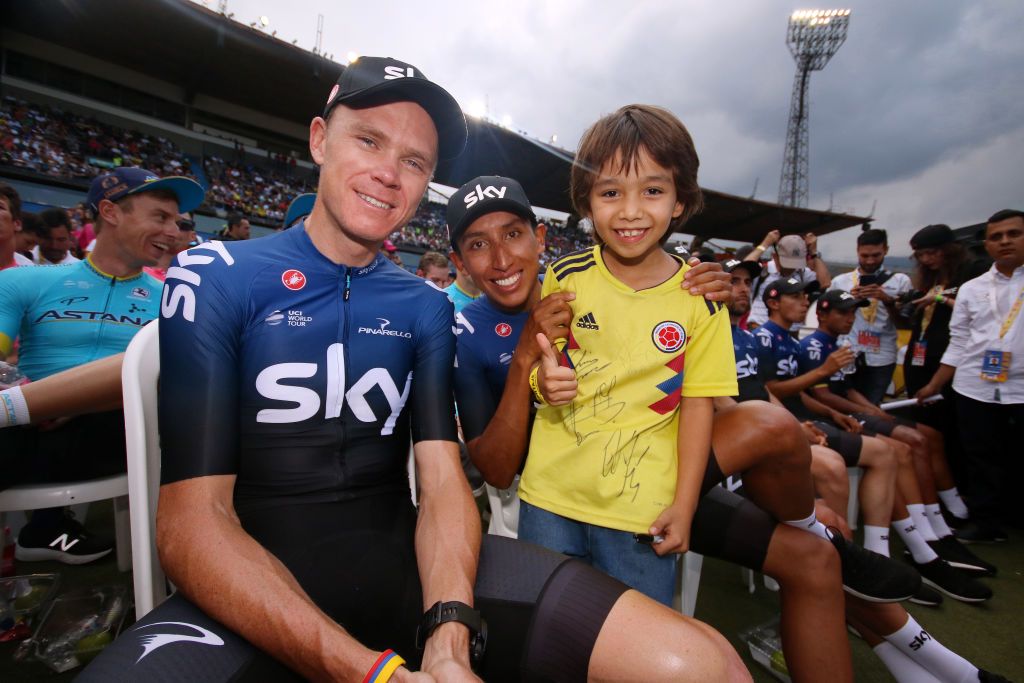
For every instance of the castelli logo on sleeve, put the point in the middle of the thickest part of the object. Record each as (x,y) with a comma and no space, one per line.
(668,336)
(293,279)
(502,329)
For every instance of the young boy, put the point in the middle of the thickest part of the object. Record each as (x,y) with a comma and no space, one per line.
(619,452)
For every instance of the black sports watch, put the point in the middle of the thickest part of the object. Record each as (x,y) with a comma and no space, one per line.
(442,613)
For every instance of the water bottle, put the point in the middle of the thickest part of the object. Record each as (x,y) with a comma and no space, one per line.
(850,368)
(11,376)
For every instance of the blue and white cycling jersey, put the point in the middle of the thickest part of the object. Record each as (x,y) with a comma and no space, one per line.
(72,314)
(777,359)
(296,374)
(751,383)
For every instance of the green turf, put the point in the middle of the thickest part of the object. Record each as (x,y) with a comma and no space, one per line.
(987,635)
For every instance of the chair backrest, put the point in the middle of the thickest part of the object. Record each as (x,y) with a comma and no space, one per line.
(139,374)
(504,510)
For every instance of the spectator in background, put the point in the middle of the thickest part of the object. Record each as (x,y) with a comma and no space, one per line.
(874,327)
(793,256)
(463,290)
(86,234)
(10,226)
(55,240)
(434,267)
(27,239)
(391,252)
(943,264)
(985,332)
(236,229)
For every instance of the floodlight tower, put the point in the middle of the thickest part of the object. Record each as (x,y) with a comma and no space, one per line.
(813,37)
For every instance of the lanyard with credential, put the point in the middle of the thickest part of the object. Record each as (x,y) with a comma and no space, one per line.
(926,317)
(1014,309)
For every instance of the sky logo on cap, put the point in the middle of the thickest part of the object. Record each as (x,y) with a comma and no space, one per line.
(490,192)
(393,72)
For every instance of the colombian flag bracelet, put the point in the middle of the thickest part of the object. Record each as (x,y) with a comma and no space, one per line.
(382,669)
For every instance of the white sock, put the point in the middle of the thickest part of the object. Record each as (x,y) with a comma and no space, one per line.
(812,525)
(937,521)
(915,543)
(876,539)
(954,503)
(924,527)
(903,668)
(13,409)
(946,665)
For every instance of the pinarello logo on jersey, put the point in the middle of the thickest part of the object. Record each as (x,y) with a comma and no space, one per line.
(668,336)
(293,279)
(502,329)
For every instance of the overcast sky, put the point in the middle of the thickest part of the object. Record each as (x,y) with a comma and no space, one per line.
(921,110)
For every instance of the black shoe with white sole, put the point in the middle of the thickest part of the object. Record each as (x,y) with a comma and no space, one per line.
(959,556)
(68,542)
(871,576)
(952,582)
(972,532)
(927,596)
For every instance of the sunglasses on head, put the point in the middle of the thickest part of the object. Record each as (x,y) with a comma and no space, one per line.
(185,224)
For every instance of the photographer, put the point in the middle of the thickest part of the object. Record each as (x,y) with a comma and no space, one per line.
(874,329)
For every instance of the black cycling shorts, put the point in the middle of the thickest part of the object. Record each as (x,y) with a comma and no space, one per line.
(845,443)
(356,560)
(873,424)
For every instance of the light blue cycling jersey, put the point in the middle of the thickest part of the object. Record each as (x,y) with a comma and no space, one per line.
(71,314)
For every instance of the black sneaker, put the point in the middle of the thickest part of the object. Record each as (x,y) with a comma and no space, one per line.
(954,583)
(959,556)
(68,542)
(927,596)
(952,521)
(972,532)
(989,677)
(871,576)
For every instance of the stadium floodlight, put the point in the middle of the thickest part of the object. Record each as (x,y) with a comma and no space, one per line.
(813,37)
(351,57)
(264,21)
(477,109)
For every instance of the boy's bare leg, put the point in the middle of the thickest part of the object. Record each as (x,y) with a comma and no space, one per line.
(662,645)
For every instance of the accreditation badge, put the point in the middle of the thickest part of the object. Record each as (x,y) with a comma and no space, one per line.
(870,342)
(995,365)
(917,355)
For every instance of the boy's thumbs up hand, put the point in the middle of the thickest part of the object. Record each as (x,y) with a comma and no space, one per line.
(557,384)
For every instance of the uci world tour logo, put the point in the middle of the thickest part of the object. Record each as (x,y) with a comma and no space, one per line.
(668,336)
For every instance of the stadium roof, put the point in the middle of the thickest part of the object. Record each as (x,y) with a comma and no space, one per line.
(186,44)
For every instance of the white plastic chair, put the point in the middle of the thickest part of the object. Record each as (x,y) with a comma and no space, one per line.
(139,374)
(40,496)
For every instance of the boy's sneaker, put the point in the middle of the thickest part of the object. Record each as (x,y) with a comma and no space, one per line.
(959,556)
(972,532)
(68,542)
(957,585)
(989,677)
(871,576)
(927,596)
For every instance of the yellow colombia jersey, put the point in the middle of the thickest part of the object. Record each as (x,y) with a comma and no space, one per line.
(609,458)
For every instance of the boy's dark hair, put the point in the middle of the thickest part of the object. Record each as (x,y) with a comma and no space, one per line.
(873,237)
(627,132)
(13,200)
(1005,215)
(52,218)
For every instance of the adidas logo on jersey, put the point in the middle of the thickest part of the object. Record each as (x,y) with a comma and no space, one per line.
(588,322)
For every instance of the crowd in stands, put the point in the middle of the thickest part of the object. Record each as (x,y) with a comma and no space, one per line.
(261,194)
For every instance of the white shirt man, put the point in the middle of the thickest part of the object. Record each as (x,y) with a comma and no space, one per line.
(790,259)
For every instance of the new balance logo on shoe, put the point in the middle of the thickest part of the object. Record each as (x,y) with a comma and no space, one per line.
(65,543)
(588,322)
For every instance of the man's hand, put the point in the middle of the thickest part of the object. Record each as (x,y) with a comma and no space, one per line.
(927,391)
(811,240)
(771,238)
(846,422)
(815,436)
(403,675)
(550,317)
(448,670)
(872,292)
(838,359)
(708,279)
(557,384)
(673,524)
